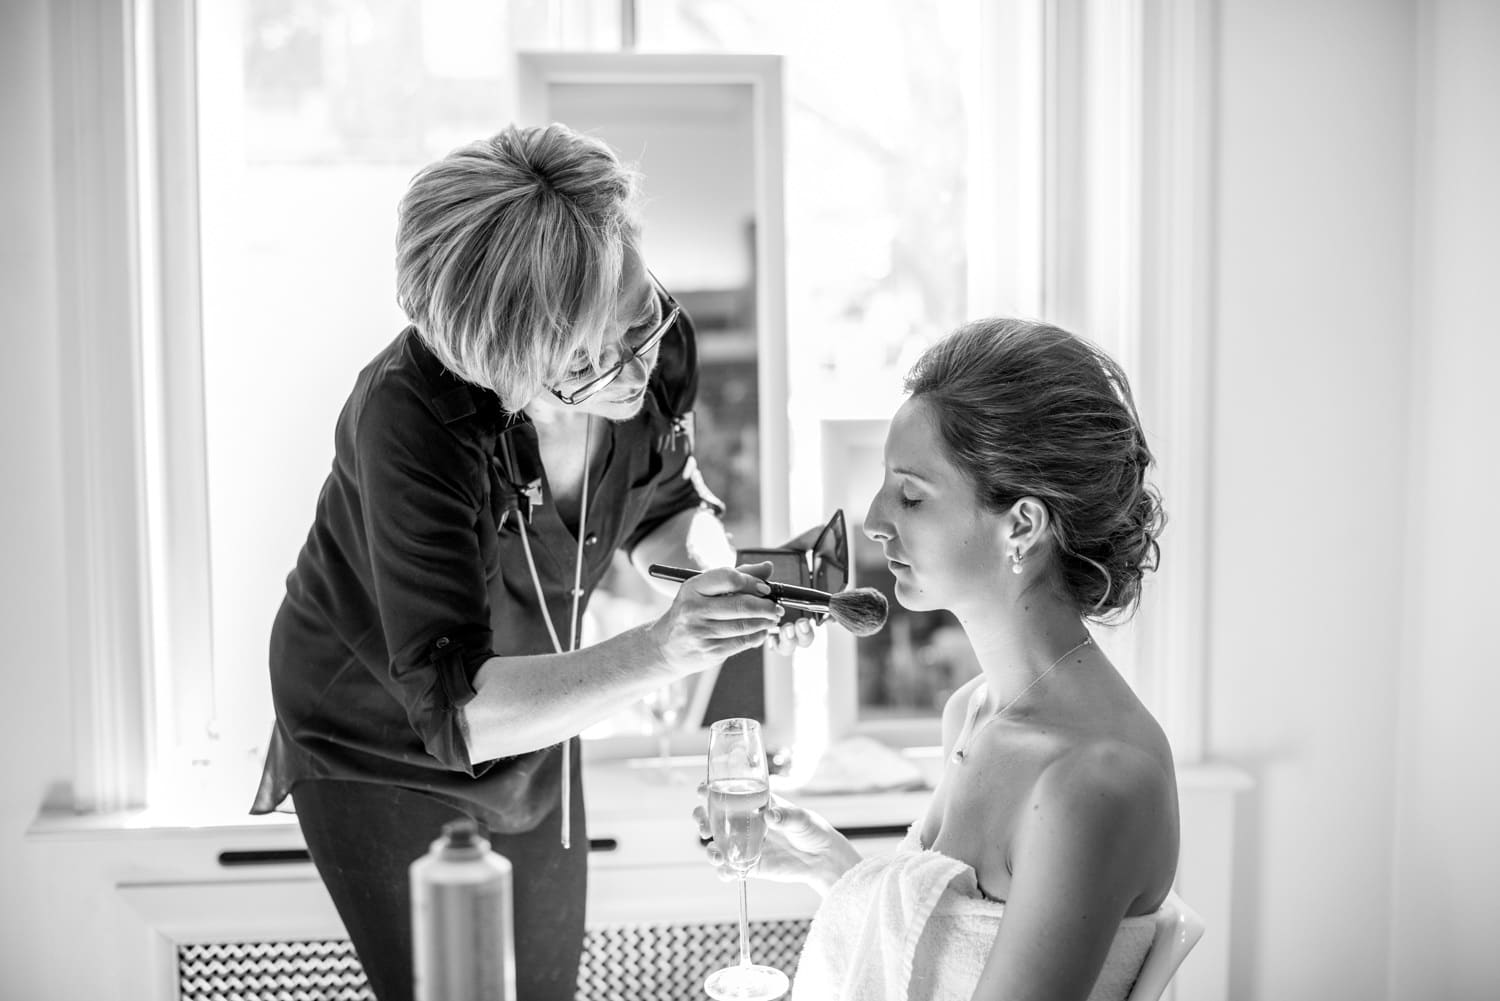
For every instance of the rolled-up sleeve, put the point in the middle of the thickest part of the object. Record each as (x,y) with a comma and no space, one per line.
(421,497)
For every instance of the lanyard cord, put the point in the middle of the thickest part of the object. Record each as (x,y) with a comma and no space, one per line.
(536,582)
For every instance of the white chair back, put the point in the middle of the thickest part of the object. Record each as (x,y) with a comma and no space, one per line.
(1178,929)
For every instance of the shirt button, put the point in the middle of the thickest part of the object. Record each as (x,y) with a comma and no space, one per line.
(592,539)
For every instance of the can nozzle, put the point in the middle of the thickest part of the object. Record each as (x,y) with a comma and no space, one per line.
(461,833)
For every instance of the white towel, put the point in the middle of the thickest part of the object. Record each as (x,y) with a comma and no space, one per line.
(863,943)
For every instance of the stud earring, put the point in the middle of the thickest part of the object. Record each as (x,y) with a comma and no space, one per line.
(1015,561)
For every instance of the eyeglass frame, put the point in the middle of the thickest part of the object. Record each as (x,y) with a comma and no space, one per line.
(605,378)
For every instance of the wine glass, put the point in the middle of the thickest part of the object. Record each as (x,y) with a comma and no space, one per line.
(739,790)
(665,706)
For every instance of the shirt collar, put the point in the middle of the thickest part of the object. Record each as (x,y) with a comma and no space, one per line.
(450,397)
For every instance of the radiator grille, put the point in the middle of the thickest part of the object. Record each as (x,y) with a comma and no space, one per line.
(670,962)
(271,971)
(661,962)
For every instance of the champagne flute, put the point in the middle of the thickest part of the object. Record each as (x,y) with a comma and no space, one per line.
(739,790)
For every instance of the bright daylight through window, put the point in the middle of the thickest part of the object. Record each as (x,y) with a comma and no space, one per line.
(313,116)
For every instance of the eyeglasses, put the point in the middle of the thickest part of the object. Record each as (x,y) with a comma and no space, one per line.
(670,311)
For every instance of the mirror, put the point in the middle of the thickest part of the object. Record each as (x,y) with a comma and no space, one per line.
(704,132)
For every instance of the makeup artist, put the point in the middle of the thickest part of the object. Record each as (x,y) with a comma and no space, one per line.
(530,420)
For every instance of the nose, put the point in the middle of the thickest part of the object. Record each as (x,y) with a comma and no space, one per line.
(634,375)
(641,362)
(876,526)
(646,360)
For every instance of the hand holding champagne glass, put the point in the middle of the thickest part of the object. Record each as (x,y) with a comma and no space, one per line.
(738,792)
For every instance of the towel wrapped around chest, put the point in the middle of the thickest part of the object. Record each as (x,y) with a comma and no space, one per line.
(913,926)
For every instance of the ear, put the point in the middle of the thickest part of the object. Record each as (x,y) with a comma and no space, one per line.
(1027,525)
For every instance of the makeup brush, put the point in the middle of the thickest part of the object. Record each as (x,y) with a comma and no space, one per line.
(861,610)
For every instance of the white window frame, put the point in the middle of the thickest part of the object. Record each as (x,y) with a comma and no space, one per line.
(106,556)
(137,558)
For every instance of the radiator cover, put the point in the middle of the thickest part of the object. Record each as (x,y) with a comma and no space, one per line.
(639,962)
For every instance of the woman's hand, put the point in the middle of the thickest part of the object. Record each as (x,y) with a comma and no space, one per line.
(714,616)
(799,846)
(788,636)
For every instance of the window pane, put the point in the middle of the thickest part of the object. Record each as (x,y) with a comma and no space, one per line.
(313,116)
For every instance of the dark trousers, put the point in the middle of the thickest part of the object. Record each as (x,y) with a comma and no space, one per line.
(363,837)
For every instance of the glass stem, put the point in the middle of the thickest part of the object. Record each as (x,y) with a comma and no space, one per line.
(744,922)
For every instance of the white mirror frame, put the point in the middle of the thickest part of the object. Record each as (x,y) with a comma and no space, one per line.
(761,76)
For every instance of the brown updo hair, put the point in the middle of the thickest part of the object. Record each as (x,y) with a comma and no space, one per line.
(1027,409)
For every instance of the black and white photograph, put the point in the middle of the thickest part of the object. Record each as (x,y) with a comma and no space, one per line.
(733,500)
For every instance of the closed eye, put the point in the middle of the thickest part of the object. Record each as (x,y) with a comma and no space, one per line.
(645,327)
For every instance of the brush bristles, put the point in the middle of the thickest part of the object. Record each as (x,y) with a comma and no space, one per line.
(861,610)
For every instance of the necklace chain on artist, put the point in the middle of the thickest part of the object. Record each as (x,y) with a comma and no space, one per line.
(970,731)
(577,594)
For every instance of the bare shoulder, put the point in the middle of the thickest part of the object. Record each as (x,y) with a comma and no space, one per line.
(1111,758)
(1110,772)
(1109,808)
(1112,788)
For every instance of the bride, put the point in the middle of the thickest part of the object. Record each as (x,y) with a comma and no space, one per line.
(1015,496)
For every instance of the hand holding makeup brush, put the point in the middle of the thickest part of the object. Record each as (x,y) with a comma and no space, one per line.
(722,612)
(861,610)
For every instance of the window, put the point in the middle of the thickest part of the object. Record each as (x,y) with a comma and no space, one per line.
(311,119)
(879,124)
(313,116)
(261,112)
(949,159)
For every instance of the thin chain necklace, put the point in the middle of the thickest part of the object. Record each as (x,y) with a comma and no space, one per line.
(969,732)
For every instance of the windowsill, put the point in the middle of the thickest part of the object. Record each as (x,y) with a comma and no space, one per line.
(635,791)
(623,790)
(153,821)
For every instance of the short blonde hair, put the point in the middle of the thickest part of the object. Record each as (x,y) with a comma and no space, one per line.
(509,252)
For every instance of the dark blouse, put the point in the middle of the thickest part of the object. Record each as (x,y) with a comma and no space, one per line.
(414,575)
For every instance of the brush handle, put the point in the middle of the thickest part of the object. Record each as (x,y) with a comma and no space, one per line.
(787,594)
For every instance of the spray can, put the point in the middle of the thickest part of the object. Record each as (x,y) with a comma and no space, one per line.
(462,939)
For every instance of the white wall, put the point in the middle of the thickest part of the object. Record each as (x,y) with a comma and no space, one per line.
(1446,924)
(1310,447)
(1348,366)
(1354,443)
